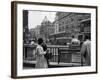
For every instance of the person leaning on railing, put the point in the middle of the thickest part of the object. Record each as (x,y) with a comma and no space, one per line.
(47,55)
(41,61)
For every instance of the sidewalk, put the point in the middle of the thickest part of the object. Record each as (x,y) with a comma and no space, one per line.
(31,64)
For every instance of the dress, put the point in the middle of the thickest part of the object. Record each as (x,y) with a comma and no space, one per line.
(86,52)
(40,59)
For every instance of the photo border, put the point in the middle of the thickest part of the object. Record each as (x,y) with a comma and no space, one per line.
(14,37)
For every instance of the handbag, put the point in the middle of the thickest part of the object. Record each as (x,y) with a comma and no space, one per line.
(48,56)
(85,54)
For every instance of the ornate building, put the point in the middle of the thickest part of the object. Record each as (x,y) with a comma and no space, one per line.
(46,29)
(37,31)
(67,24)
(85,28)
(56,25)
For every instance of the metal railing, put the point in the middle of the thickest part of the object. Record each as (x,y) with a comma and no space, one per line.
(60,53)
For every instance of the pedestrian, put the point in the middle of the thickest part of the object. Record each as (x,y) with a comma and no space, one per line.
(40,59)
(45,49)
(86,51)
(75,41)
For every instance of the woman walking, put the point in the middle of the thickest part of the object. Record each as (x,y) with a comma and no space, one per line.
(40,59)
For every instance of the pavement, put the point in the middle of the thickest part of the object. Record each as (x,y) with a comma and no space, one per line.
(31,64)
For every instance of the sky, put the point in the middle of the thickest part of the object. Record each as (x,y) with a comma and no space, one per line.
(36,17)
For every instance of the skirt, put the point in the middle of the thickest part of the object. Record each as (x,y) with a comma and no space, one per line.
(41,62)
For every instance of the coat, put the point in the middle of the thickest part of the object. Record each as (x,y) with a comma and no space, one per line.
(86,52)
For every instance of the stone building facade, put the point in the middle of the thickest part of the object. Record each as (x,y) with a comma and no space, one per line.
(25,26)
(68,25)
(46,29)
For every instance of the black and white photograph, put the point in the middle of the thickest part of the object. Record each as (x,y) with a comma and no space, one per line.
(53,39)
(56,39)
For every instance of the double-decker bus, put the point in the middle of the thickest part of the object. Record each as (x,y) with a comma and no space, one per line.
(60,38)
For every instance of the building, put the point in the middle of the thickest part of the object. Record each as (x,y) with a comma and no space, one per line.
(66,25)
(32,32)
(25,26)
(37,31)
(56,25)
(85,28)
(46,29)
(25,33)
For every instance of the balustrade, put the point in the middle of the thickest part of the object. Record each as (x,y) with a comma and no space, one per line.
(63,54)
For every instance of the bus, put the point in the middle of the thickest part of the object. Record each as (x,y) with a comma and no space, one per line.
(60,38)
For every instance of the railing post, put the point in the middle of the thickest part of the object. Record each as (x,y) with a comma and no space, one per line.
(58,55)
(25,52)
(81,60)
